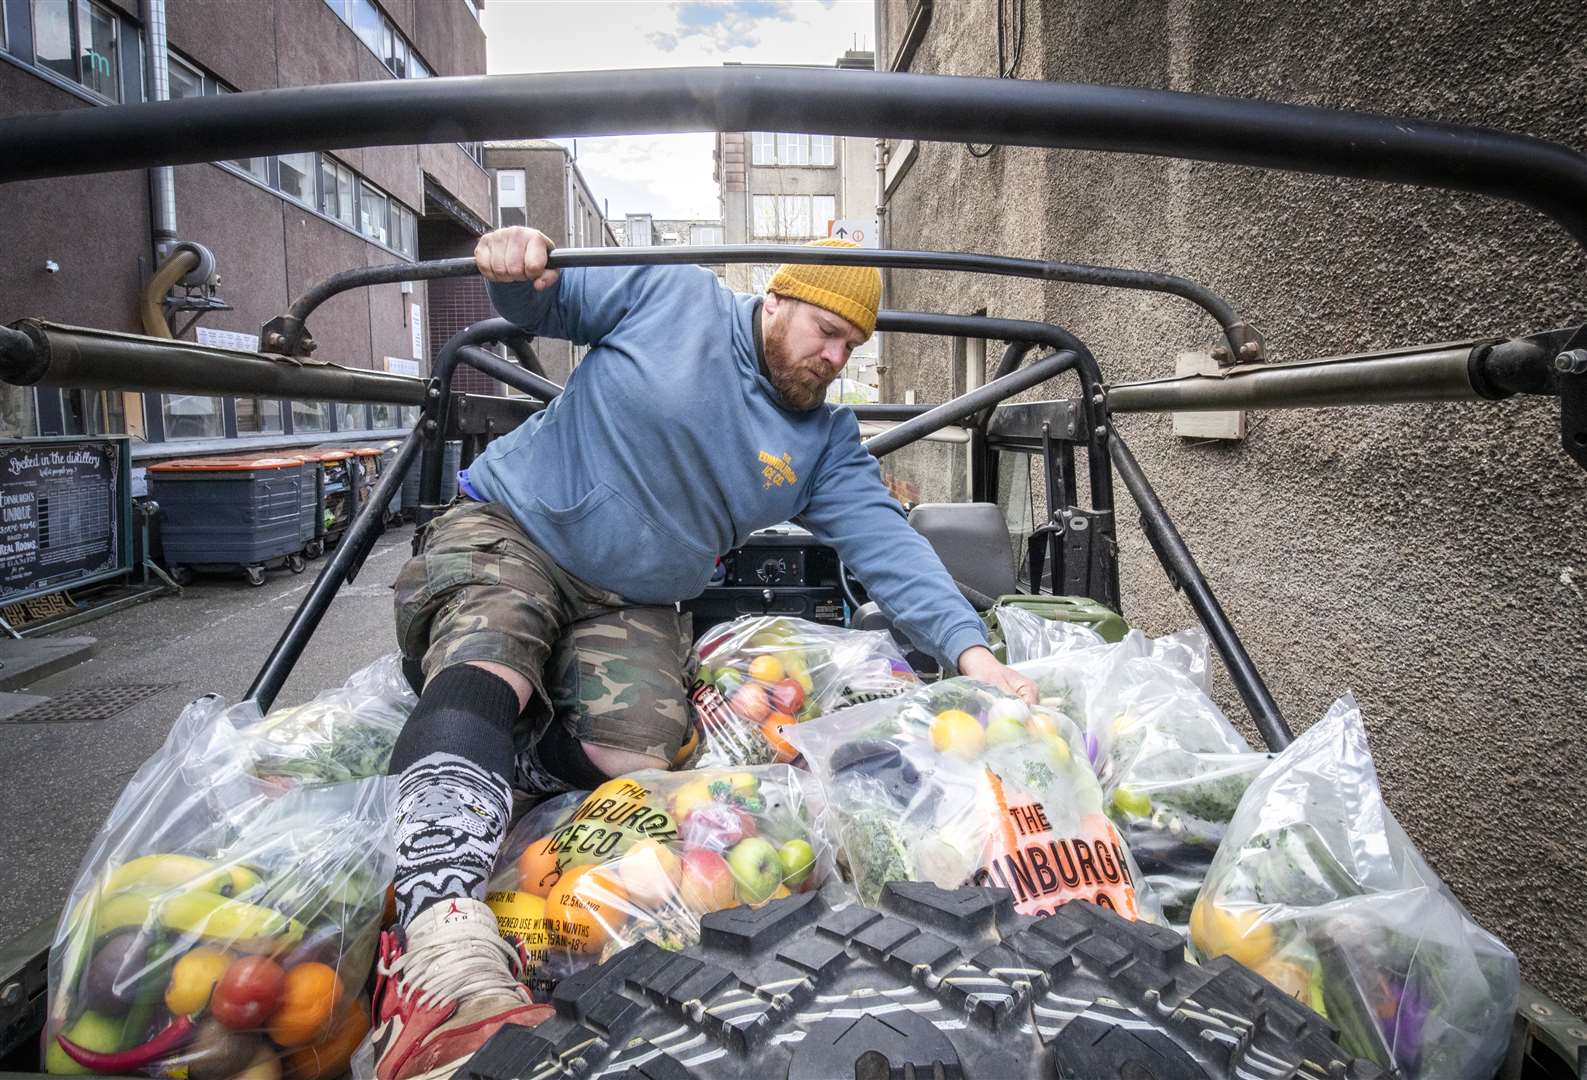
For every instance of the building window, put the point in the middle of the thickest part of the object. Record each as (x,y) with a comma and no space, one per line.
(368,24)
(97,32)
(383,416)
(395,52)
(343,11)
(310,416)
(760,276)
(258,416)
(350,417)
(79,40)
(793,149)
(336,191)
(796,216)
(404,229)
(763,211)
(93,412)
(256,167)
(705,235)
(295,177)
(473,9)
(821,149)
(763,148)
(372,212)
(189,416)
(416,67)
(185,82)
(510,198)
(823,211)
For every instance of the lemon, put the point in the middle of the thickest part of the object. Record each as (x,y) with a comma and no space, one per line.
(954,731)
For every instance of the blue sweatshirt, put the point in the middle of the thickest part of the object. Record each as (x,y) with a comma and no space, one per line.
(669,446)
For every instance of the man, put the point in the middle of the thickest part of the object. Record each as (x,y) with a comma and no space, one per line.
(698,417)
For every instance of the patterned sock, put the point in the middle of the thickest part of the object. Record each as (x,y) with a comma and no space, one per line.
(453,801)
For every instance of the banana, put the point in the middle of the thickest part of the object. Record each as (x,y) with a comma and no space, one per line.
(233,921)
(243,878)
(125,909)
(166,872)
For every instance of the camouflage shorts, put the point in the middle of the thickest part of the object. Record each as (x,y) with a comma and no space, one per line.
(612,672)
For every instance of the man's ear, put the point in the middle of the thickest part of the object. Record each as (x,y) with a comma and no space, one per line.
(772,303)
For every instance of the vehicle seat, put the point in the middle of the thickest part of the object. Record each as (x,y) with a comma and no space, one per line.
(973,543)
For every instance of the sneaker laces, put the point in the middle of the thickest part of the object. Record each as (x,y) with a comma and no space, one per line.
(465,962)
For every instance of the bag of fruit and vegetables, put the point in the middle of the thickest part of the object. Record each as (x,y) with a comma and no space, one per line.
(1172,767)
(1318,889)
(221,925)
(646,855)
(959,784)
(758,674)
(346,733)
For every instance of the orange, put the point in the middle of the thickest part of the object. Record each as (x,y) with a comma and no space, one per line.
(309,999)
(772,730)
(586,907)
(766,669)
(537,868)
(331,1055)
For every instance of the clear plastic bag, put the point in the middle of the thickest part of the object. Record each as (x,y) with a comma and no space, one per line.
(1318,888)
(1172,767)
(342,734)
(758,674)
(646,855)
(958,784)
(220,923)
(1029,636)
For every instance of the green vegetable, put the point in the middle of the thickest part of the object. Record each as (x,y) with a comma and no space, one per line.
(875,850)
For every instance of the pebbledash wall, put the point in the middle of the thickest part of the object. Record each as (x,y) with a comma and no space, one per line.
(1430,558)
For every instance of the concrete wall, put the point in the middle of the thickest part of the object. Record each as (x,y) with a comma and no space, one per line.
(1426,557)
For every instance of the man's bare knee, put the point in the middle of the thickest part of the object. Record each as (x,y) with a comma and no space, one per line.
(613,762)
(519,684)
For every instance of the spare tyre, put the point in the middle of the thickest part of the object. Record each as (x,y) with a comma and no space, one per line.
(932,983)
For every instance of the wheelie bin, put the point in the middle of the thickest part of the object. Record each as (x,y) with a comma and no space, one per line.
(332,498)
(225,513)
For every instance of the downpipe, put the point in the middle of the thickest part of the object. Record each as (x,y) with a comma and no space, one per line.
(162,178)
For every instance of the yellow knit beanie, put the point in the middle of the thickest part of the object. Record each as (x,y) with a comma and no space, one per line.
(854,292)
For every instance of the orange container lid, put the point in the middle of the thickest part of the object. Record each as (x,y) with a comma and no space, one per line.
(230,463)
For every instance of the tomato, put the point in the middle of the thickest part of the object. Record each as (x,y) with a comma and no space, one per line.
(788,696)
(248,993)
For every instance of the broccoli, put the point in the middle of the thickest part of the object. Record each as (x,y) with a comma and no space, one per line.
(875,851)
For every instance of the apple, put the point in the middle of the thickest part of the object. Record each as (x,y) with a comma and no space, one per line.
(690,797)
(1001,730)
(716,826)
(704,880)
(798,858)
(757,871)
(650,872)
(788,697)
(751,702)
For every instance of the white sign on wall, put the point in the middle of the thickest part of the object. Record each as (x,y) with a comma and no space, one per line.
(398,366)
(862,231)
(228,339)
(416,320)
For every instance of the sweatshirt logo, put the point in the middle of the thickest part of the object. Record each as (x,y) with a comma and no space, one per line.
(777,471)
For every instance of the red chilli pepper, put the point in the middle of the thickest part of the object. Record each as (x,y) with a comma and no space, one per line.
(126,1061)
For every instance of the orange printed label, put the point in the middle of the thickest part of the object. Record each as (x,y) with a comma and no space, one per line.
(1044,870)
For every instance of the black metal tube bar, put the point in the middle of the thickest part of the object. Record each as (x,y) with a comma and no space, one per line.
(1099,469)
(1546,176)
(291,325)
(1183,572)
(351,552)
(967,405)
(511,374)
(887,411)
(480,333)
(80,356)
(1441,374)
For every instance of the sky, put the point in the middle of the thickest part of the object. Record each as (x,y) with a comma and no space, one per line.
(665,175)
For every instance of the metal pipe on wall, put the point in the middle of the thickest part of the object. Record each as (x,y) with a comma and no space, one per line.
(967,405)
(162,178)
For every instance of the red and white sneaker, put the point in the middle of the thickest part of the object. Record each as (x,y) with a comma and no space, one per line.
(444,986)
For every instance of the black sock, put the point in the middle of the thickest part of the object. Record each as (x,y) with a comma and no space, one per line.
(453,800)
(563,755)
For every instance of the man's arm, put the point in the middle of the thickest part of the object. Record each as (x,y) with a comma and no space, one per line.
(582,305)
(852,510)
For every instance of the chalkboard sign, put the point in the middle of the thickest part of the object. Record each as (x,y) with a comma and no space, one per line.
(65,514)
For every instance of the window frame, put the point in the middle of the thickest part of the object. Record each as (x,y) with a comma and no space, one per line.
(219,415)
(261,405)
(311,176)
(365,188)
(324,413)
(830,144)
(763,148)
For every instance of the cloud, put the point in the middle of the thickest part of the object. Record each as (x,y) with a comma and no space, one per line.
(726,26)
(662,40)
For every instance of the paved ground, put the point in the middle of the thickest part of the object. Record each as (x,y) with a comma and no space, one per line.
(58,781)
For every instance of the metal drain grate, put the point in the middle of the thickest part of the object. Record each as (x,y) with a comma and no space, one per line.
(88,704)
